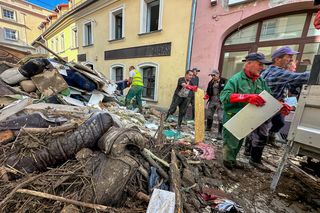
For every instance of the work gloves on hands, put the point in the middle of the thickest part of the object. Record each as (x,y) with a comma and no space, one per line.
(285,110)
(206,97)
(192,88)
(247,98)
(316,21)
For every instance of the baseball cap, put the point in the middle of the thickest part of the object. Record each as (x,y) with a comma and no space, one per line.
(257,57)
(196,69)
(283,51)
(215,72)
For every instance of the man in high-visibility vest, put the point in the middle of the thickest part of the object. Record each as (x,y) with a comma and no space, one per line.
(136,82)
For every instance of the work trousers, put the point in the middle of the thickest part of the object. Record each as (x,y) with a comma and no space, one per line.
(214,107)
(277,123)
(135,91)
(231,145)
(192,101)
(180,102)
(258,138)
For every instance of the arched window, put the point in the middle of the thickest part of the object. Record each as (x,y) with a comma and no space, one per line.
(295,31)
(149,72)
(117,72)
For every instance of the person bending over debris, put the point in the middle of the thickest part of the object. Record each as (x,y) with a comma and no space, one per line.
(181,97)
(136,82)
(280,82)
(214,88)
(243,88)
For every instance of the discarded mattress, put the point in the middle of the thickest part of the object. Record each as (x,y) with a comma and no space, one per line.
(60,148)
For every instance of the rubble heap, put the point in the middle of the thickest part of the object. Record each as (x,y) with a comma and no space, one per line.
(67,145)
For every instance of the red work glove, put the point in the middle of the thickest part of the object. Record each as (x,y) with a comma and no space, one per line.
(285,110)
(206,97)
(247,98)
(128,83)
(316,21)
(192,88)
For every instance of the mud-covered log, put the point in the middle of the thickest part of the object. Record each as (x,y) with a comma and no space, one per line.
(175,180)
(61,148)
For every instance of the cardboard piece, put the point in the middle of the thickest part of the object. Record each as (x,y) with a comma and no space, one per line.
(49,82)
(251,116)
(199,116)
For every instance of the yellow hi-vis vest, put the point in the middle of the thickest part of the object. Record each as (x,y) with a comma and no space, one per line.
(137,79)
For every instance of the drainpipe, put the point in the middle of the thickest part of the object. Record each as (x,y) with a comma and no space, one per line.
(191,32)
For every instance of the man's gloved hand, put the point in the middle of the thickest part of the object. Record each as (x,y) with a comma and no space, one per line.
(206,97)
(247,98)
(192,88)
(128,83)
(316,21)
(285,110)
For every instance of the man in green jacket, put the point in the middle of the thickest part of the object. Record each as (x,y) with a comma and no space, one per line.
(241,89)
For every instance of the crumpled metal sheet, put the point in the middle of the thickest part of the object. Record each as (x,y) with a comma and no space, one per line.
(34,120)
(61,148)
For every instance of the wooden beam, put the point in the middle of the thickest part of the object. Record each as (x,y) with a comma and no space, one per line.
(199,116)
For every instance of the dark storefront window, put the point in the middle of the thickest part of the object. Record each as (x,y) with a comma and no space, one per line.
(149,81)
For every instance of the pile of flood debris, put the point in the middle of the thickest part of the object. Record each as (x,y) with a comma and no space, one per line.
(68,145)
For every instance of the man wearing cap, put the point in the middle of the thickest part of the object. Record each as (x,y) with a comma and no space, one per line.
(195,82)
(279,81)
(241,89)
(214,88)
(181,97)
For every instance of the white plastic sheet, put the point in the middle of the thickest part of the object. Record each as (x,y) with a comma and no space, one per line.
(162,202)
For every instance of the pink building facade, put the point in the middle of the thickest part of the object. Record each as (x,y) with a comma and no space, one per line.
(226,32)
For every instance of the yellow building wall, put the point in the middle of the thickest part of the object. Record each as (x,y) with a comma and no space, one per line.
(175,29)
(28,18)
(69,52)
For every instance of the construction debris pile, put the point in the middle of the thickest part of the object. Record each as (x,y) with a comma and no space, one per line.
(67,145)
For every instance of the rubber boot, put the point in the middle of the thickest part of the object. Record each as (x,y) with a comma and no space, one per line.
(247,147)
(209,124)
(272,139)
(255,160)
(219,136)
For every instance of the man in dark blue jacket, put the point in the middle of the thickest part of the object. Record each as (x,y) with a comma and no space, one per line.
(280,80)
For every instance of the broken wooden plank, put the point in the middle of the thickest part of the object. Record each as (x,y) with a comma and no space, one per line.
(161,172)
(50,130)
(14,108)
(199,116)
(66,200)
(148,152)
(175,181)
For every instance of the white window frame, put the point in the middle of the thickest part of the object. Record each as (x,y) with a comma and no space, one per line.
(84,33)
(115,66)
(143,15)
(74,37)
(157,66)
(56,44)
(62,43)
(8,9)
(10,39)
(112,20)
